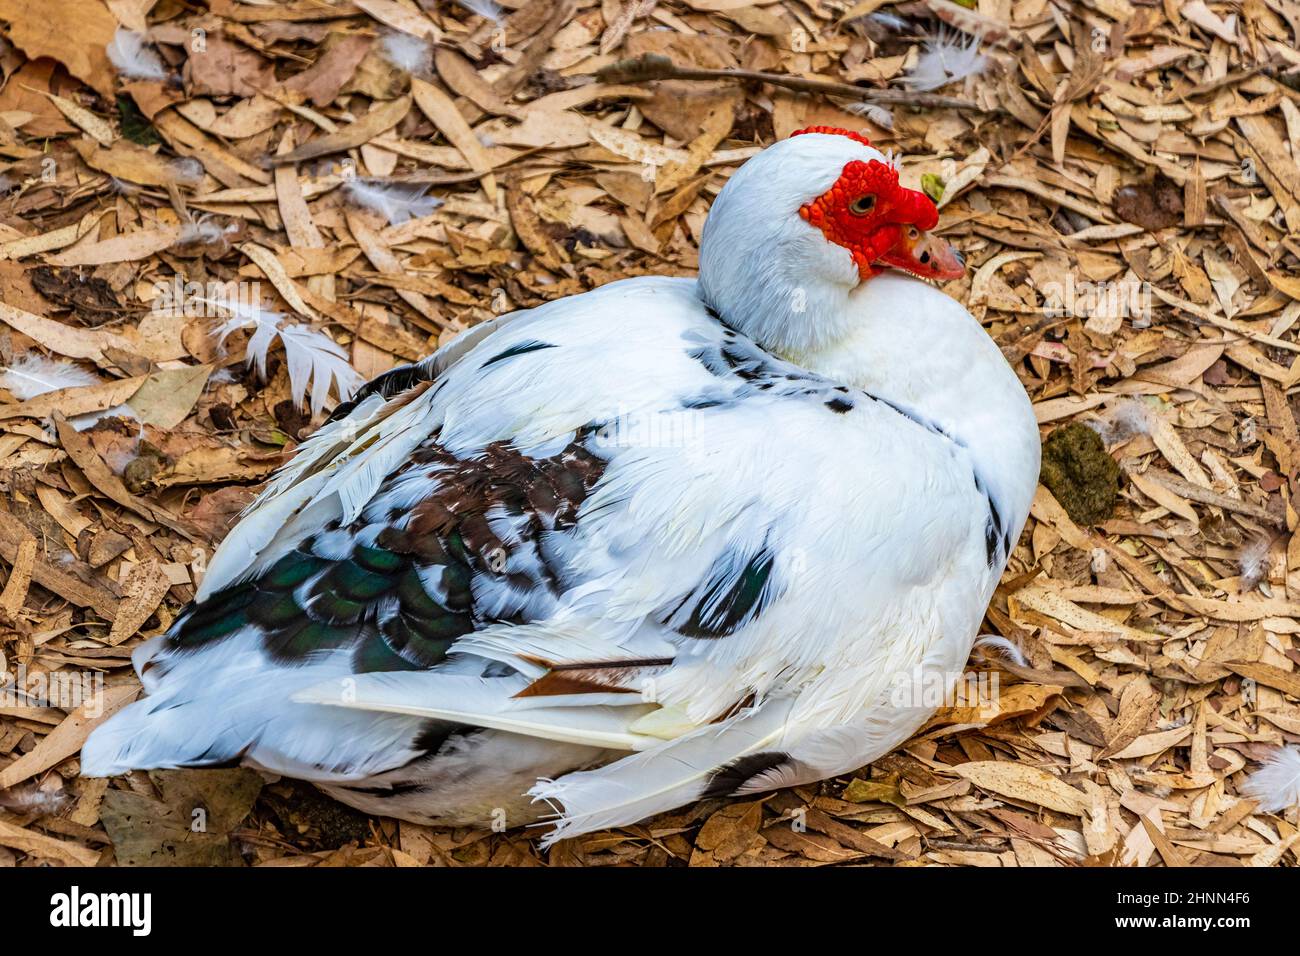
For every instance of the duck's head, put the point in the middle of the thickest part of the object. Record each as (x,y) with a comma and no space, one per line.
(801,227)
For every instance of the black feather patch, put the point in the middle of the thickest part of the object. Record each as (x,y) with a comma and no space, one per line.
(725,781)
(387,385)
(725,601)
(523,348)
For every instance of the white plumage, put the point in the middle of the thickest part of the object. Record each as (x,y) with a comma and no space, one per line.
(662,540)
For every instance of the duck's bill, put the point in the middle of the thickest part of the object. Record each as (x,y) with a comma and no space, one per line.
(924,255)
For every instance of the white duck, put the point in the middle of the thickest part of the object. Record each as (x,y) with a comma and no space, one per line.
(663,540)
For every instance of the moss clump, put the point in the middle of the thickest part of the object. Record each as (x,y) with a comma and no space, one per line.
(1079,473)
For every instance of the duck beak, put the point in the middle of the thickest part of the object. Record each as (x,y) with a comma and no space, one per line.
(925,255)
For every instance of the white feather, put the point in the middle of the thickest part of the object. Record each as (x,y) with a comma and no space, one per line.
(206,232)
(878,114)
(134,58)
(1129,418)
(487,9)
(1276,784)
(408,53)
(397,203)
(1008,649)
(947,58)
(1253,561)
(483,702)
(888,20)
(311,356)
(653,781)
(34,375)
(31,798)
(187,170)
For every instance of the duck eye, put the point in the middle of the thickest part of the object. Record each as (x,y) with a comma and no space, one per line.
(862,205)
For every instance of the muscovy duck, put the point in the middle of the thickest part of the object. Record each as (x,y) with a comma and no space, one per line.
(659,541)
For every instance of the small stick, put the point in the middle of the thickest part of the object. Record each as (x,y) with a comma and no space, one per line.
(652,66)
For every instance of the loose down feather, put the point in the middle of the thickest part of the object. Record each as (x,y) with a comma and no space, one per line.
(487,9)
(1276,785)
(1125,420)
(187,170)
(34,375)
(134,58)
(1004,646)
(311,356)
(947,58)
(410,54)
(1253,562)
(208,236)
(398,203)
(42,801)
(880,115)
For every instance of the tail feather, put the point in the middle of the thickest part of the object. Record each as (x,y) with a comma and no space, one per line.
(488,702)
(230,704)
(717,760)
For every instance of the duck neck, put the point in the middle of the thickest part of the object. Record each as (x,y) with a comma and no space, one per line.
(785,315)
(920,351)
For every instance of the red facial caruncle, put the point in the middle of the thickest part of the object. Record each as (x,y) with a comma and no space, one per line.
(878,221)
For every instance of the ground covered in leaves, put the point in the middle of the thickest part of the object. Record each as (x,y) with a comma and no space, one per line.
(1121,175)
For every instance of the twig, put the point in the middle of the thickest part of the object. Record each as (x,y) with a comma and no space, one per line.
(653,66)
(1228,79)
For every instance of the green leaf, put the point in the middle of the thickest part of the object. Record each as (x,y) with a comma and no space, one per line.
(932,186)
